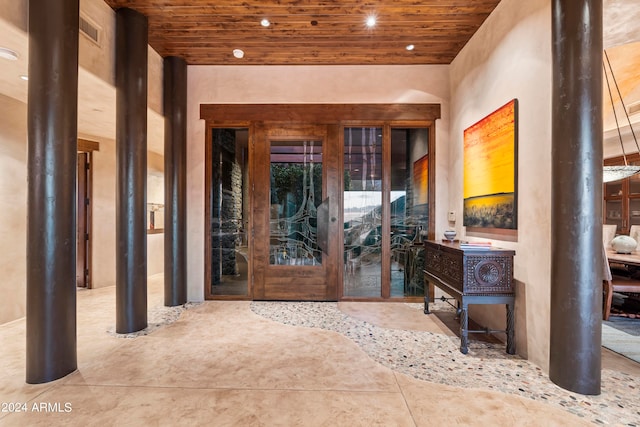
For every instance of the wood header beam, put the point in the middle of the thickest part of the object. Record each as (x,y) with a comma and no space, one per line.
(318,113)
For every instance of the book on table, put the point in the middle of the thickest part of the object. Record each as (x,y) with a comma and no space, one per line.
(475,245)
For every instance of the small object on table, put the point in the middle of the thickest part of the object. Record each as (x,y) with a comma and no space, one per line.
(450,235)
(624,244)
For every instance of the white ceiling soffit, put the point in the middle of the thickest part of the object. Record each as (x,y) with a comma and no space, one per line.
(96,98)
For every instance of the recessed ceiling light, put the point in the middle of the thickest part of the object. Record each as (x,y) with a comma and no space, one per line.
(265,22)
(8,54)
(371,21)
(238,53)
(24,77)
(410,47)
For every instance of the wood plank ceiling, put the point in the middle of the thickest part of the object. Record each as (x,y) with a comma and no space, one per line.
(324,32)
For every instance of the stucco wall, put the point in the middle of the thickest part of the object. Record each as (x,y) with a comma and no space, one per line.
(510,57)
(13,208)
(103,210)
(155,194)
(96,121)
(301,84)
(98,57)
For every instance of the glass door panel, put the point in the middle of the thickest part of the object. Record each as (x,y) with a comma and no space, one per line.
(362,196)
(296,194)
(634,184)
(634,212)
(614,212)
(613,189)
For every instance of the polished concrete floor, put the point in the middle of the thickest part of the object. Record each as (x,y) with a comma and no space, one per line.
(221,364)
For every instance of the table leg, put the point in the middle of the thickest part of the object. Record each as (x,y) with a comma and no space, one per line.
(426,305)
(464,329)
(511,342)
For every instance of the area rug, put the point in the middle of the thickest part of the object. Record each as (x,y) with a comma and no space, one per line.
(621,342)
(624,324)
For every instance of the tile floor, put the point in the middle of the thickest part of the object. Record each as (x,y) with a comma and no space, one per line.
(347,364)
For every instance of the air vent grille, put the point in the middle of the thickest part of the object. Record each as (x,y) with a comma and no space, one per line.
(89,30)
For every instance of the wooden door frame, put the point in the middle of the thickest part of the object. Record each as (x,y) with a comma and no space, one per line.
(307,278)
(88,147)
(386,116)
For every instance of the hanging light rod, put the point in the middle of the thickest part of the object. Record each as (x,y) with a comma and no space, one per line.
(615,173)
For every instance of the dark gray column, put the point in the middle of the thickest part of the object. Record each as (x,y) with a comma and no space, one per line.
(131,161)
(175,181)
(576,222)
(51,224)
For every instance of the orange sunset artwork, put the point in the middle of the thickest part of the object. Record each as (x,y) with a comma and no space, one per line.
(490,170)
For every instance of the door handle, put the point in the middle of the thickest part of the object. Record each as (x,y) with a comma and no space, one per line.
(323,225)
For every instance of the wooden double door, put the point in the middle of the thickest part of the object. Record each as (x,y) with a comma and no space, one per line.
(295,212)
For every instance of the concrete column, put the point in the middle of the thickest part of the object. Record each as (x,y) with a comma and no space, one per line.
(51,223)
(131,163)
(175,181)
(576,222)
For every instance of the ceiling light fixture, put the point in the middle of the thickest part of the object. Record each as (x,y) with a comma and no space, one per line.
(410,47)
(614,173)
(238,53)
(265,22)
(24,77)
(371,21)
(8,54)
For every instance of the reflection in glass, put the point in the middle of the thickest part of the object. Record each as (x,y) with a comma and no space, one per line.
(614,212)
(409,209)
(634,202)
(229,212)
(296,193)
(362,211)
(634,184)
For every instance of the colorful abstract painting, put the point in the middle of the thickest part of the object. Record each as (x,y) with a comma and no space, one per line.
(490,171)
(421,181)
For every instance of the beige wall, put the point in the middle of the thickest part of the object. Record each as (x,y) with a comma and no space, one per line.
(98,58)
(300,84)
(510,57)
(155,194)
(96,121)
(103,211)
(15,12)
(13,207)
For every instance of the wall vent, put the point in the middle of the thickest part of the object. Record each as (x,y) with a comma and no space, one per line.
(633,108)
(90,30)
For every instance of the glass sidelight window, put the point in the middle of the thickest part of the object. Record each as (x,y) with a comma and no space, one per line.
(406,218)
(229,213)
(409,209)
(362,195)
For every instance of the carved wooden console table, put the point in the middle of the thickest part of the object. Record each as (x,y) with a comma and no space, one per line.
(472,276)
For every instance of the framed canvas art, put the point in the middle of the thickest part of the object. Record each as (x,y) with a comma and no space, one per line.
(490,173)
(421,181)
